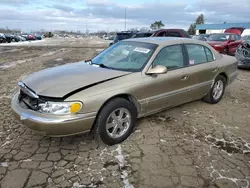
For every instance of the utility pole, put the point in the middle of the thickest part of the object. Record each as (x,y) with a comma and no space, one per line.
(86,27)
(125,24)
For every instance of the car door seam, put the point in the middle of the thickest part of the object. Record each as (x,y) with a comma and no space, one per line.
(171,93)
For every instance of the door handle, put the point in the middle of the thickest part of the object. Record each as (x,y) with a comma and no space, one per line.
(215,69)
(183,78)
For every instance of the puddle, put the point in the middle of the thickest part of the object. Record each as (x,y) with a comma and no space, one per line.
(230,146)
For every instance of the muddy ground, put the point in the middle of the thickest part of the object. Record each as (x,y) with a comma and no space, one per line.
(193,145)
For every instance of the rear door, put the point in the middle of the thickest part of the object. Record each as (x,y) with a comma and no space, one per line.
(202,69)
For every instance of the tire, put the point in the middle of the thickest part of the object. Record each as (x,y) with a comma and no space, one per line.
(211,97)
(104,117)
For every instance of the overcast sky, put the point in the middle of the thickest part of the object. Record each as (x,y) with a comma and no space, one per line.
(109,14)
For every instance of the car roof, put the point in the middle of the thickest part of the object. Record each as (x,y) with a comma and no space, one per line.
(164,40)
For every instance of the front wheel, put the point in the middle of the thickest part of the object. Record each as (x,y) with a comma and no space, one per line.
(216,92)
(115,121)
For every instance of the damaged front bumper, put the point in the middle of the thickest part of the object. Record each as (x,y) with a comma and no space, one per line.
(52,125)
(243,55)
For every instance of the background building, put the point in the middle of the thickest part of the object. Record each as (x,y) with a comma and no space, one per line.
(220,28)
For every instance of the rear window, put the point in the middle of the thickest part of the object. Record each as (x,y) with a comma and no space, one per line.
(121,36)
(173,34)
(139,35)
(209,54)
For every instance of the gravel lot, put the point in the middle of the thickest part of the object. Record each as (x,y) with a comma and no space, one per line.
(193,145)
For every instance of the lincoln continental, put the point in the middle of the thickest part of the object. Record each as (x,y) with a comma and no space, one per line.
(131,79)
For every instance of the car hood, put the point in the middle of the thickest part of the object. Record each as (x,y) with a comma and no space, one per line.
(60,81)
(212,43)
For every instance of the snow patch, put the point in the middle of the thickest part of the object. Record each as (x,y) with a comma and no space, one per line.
(161,140)
(59,59)
(21,43)
(4,164)
(216,176)
(27,160)
(48,54)
(7,142)
(122,162)
(13,64)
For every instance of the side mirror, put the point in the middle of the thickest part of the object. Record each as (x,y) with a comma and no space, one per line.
(231,40)
(159,69)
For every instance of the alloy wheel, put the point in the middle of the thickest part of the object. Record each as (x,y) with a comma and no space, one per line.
(218,89)
(118,122)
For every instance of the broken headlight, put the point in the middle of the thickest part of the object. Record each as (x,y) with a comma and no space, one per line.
(60,108)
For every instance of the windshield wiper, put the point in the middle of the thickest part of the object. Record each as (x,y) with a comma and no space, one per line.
(100,65)
(104,66)
(89,61)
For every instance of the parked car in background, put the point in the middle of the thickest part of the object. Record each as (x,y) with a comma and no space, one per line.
(202,37)
(38,37)
(142,34)
(246,38)
(109,37)
(131,79)
(225,43)
(21,38)
(163,33)
(31,37)
(122,36)
(2,38)
(25,36)
(235,30)
(243,54)
(10,38)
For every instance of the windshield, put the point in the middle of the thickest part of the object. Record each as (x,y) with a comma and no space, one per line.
(125,56)
(246,37)
(219,37)
(199,37)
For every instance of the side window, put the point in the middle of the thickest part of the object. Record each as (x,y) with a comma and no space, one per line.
(170,57)
(233,37)
(196,54)
(238,37)
(209,54)
(173,34)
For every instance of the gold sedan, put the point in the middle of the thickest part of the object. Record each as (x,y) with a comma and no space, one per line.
(131,79)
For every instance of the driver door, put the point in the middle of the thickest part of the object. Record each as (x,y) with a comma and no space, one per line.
(169,89)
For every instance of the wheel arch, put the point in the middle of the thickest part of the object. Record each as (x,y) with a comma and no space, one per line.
(126,96)
(225,76)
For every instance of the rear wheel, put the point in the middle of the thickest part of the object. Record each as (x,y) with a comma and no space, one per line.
(115,121)
(216,92)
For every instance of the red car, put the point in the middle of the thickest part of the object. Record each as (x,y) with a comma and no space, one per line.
(227,42)
(31,37)
(163,33)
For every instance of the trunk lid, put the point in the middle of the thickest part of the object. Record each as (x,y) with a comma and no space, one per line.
(235,30)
